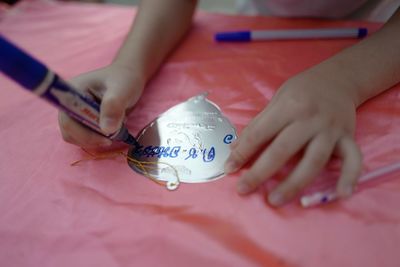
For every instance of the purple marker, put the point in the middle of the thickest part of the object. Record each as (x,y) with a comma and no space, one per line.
(291,34)
(330,195)
(37,78)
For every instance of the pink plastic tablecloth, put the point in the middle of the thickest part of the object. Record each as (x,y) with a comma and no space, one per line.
(100,213)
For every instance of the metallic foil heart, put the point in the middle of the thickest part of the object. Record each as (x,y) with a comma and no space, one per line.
(188,143)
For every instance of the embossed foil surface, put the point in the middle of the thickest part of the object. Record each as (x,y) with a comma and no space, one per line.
(187,143)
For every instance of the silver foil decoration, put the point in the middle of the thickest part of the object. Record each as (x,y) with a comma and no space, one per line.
(188,143)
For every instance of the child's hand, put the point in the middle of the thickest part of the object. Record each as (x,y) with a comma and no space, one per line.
(119,88)
(310,112)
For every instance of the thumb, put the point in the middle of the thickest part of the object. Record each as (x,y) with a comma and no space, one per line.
(112,109)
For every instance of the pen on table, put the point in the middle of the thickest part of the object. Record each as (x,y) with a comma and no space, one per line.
(38,79)
(290,34)
(331,195)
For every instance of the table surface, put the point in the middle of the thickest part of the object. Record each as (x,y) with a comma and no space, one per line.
(100,213)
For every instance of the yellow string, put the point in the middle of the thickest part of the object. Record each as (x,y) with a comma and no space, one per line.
(137,163)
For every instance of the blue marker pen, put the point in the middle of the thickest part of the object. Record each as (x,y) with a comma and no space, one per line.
(37,78)
(291,34)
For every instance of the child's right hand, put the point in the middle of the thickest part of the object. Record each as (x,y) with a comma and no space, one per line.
(119,88)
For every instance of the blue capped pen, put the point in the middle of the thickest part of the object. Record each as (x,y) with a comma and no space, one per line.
(290,34)
(38,79)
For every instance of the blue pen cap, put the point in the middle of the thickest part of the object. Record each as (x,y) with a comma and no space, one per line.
(20,66)
(362,32)
(243,36)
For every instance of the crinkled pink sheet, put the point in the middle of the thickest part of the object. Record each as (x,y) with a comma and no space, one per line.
(100,213)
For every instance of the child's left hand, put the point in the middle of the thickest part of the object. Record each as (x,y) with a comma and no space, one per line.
(314,112)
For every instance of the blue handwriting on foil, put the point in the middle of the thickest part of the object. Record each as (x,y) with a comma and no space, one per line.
(207,155)
(157,151)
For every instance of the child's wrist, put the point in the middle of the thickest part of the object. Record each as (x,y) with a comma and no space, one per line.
(340,76)
(136,69)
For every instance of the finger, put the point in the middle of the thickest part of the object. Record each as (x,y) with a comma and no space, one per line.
(115,101)
(252,123)
(285,145)
(91,87)
(82,82)
(255,135)
(317,154)
(351,156)
(77,134)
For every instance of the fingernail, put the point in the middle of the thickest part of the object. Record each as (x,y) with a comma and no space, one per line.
(347,191)
(108,125)
(106,142)
(276,199)
(243,188)
(230,166)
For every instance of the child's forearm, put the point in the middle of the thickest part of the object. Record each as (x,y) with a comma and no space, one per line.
(369,67)
(157,29)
